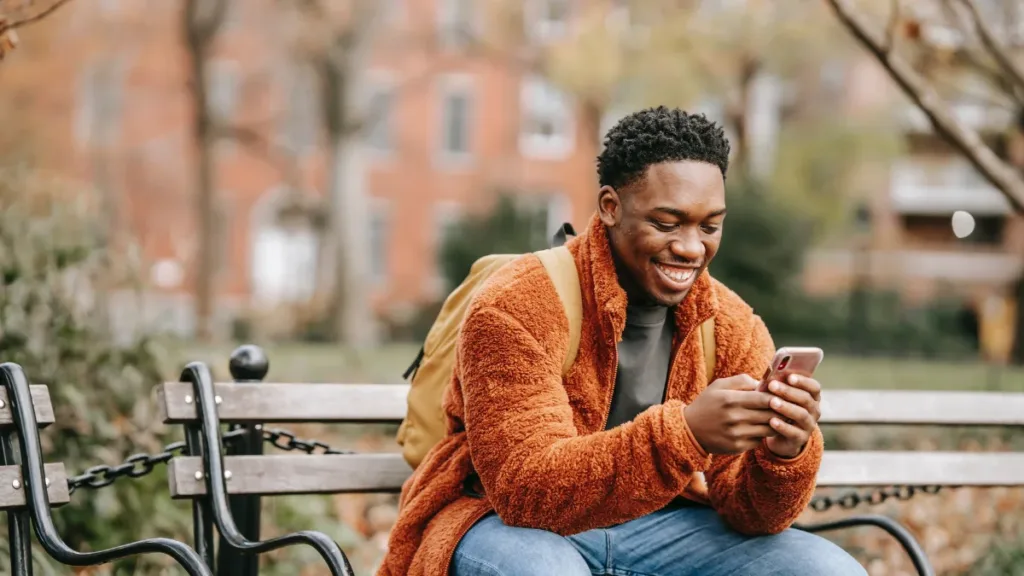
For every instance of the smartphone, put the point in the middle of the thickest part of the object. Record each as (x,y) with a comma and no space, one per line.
(791,360)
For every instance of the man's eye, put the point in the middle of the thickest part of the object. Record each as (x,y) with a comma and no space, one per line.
(710,228)
(663,226)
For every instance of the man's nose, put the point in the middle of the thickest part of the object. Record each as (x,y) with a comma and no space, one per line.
(687,246)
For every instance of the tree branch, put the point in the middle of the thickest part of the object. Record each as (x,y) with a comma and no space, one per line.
(967,141)
(8,25)
(998,52)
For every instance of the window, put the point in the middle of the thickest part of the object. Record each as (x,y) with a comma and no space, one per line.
(222,88)
(447,215)
(549,212)
(379,232)
(547,20)
(456,118)
(100,101)
(380,112)
(547,123)
(302,110)
(455,23)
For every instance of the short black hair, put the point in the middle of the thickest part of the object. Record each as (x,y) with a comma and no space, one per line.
(656,135)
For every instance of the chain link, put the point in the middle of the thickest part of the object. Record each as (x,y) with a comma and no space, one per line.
(286,440)
(851,500)
(139,465)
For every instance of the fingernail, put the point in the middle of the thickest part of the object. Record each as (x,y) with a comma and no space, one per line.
(775,423)
(776,403)
(774,386)
(793,379)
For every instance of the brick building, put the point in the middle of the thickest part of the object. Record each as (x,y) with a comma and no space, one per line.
(452,127)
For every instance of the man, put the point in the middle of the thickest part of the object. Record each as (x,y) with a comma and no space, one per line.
(633,463)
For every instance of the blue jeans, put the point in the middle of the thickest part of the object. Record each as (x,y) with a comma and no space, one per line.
(675,541)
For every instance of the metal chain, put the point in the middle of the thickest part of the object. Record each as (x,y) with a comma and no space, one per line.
(851,500)
(139,465)
(285,440)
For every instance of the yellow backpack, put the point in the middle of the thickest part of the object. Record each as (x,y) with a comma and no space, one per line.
(431,372)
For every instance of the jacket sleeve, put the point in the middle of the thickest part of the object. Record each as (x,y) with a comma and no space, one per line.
(757,492)
(536,469)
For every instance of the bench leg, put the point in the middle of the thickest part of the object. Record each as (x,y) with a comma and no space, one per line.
(248,365)
(12,377)
(202,521)
(894,528)
(19,522)
(198,374)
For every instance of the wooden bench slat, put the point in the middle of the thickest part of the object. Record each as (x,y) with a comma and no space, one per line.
(40,401)
(387,403)
(304,474)
(11,497)
(269,402)
(295,474)
(854,468)
(922,407)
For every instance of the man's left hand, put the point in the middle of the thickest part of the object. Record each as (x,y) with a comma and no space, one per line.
(798,405)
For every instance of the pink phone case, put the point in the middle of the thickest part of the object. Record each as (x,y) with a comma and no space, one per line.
(792,360)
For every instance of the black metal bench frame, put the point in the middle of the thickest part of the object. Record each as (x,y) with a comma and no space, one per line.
(247,405)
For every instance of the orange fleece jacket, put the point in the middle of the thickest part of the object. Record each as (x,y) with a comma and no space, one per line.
(538,442)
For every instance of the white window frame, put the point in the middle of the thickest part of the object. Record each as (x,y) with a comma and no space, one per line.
(450,85)
(453,33)
(541,30)
(223,91)
(380,208)
(445,214)
(382,82)
(537,95)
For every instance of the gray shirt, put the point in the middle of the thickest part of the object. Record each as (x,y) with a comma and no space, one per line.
(645,353)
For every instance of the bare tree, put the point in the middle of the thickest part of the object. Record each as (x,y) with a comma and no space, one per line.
(19,15)
(202,20)
(979,46)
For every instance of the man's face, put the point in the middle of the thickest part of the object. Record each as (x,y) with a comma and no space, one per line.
(665,229)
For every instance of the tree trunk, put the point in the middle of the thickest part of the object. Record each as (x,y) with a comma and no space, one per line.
(200,29)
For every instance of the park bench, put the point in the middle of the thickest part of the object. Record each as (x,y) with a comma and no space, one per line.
(29,487)
(247,405)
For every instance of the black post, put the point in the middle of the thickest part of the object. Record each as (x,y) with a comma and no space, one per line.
(19,522)
(249,364)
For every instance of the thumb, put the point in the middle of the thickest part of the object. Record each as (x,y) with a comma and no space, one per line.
(738,382)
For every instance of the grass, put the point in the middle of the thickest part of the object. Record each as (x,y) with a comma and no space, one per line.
(330,363)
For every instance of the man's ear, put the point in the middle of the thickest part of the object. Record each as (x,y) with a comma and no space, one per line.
(609,206)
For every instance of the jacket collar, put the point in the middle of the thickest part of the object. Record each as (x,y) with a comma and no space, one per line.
(599,277)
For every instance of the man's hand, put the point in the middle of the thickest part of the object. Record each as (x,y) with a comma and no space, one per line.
(799,405)
(730,416)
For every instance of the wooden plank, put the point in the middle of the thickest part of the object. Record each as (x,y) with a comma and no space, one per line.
(269,402)
(922,407)
(851,468)
(295,474)
(303,474)
(11,497)
(387,403)
(40,401)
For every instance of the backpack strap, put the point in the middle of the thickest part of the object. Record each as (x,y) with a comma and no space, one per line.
(707,342)
(562,269)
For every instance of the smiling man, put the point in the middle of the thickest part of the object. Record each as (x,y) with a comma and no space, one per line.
(633,463)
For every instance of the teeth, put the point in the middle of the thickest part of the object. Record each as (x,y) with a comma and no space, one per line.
(677,274)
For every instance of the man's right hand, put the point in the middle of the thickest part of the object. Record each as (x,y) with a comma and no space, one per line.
(730,416)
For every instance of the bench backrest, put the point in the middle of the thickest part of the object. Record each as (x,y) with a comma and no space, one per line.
(366,403)
(12,486)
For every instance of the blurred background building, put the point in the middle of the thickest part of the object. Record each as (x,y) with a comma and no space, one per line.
(450,122)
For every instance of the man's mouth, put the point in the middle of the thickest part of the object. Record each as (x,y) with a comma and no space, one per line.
(680,275)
